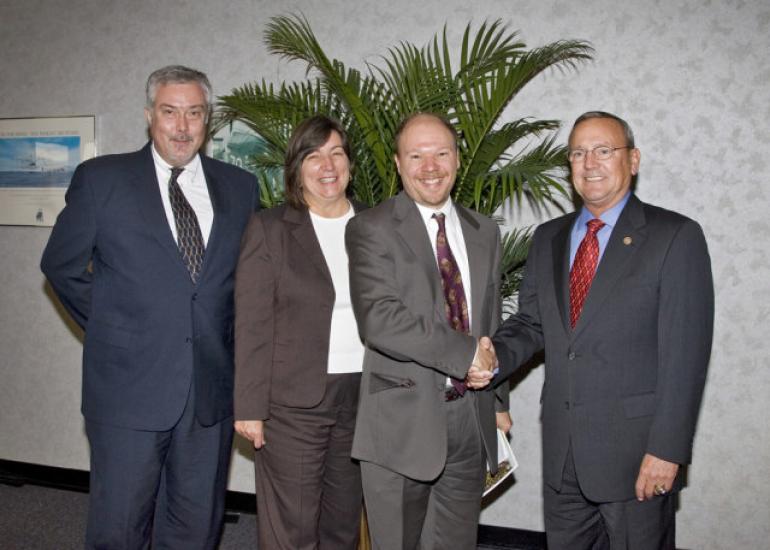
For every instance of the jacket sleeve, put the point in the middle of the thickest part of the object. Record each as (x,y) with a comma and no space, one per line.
(685,330)
(521,335)
(67,256)
(255,282)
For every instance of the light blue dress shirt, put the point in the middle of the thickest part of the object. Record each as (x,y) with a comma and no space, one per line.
(579,229)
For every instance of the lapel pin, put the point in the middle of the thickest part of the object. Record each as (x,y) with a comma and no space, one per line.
(627,240)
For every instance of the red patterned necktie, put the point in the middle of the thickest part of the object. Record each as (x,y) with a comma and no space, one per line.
(583,269)
(455,304)
(188,232)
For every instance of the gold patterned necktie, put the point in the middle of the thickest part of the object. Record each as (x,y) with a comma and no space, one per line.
(188,232)
(583,269)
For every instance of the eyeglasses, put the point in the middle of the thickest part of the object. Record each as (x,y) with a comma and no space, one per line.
(602,152)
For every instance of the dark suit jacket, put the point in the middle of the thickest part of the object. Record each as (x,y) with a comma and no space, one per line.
(149,331)
(284,297)
(410,347)
(628,379)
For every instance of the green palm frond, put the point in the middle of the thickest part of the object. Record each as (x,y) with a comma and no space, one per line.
(515,249)
(292,38)
(500,160)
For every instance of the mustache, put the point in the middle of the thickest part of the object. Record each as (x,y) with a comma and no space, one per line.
(182,137)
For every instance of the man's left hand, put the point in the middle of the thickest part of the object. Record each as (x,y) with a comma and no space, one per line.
(504,421)
(656,477)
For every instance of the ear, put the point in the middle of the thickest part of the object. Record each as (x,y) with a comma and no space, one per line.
(636,156)
(398,164)
(148,116)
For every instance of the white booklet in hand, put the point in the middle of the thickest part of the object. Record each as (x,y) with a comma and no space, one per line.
(506,462)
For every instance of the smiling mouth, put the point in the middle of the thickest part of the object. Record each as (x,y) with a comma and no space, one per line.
(431,181)
(328,180)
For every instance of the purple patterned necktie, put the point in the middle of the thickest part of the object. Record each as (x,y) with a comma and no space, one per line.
(188,232)
(583,268)
(455,304)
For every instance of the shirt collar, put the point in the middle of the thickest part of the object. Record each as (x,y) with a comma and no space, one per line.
(426,212)
(609,217)
(190,169)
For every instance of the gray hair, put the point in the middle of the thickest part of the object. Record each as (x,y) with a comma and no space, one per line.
(602,114)
(177,74)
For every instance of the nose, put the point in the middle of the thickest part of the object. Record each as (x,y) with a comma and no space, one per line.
(589,161)
(429,163)
(182,123)
(326,163)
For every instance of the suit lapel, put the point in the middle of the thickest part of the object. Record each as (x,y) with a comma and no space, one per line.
(219,206)
(478,264)
(560,248)
(411,228)
(305,238)
(628,236)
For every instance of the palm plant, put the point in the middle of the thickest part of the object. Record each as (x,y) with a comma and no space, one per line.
(500,161)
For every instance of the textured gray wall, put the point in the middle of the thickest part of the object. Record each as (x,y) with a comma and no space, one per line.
(691,76)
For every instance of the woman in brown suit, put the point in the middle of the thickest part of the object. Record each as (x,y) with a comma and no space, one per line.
(297,352)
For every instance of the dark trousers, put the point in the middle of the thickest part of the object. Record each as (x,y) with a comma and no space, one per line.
(308,487)
(437,515)
(572,522)
(166,487)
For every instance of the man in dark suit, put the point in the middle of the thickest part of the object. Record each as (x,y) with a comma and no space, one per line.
(143,257)
(421,437)
(620,295)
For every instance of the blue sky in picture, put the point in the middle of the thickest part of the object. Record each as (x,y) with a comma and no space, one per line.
(38,161)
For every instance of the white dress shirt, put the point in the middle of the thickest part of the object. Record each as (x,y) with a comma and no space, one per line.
(193,184)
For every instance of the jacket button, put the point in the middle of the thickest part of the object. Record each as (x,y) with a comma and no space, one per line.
(188,340)
(566,405)
(195,296)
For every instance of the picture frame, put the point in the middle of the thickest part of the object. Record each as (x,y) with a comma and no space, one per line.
(37,159)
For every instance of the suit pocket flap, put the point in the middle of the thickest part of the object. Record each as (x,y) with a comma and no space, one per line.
(379,382)
(639,405)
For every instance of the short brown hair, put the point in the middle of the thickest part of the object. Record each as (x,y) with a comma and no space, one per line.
(307,137)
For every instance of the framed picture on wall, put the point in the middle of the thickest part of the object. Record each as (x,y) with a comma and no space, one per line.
(37,159)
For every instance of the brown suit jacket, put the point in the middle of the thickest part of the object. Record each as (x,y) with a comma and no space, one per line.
(284,298)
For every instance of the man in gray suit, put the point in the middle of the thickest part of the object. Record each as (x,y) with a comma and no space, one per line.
(620,295)
(420,436)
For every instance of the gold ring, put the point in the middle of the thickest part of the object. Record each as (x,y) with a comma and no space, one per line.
(659,490)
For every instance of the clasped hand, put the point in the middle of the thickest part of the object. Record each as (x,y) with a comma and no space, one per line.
(484,362)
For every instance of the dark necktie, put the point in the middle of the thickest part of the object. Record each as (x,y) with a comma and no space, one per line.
(455,304)
(188,232)
(583,269)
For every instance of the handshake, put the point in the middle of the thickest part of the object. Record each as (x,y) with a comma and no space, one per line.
(483,366)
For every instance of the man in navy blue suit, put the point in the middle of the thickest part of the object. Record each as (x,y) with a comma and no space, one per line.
(143,258)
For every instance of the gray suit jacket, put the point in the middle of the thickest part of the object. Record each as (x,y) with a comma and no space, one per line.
(410,347)
(628,379)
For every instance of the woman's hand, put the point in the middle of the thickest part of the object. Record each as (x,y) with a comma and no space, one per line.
(253,430)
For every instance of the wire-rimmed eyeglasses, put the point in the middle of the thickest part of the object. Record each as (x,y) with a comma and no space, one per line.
(602,152)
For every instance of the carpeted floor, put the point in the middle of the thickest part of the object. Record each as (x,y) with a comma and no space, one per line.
(33,517)
(41,518)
